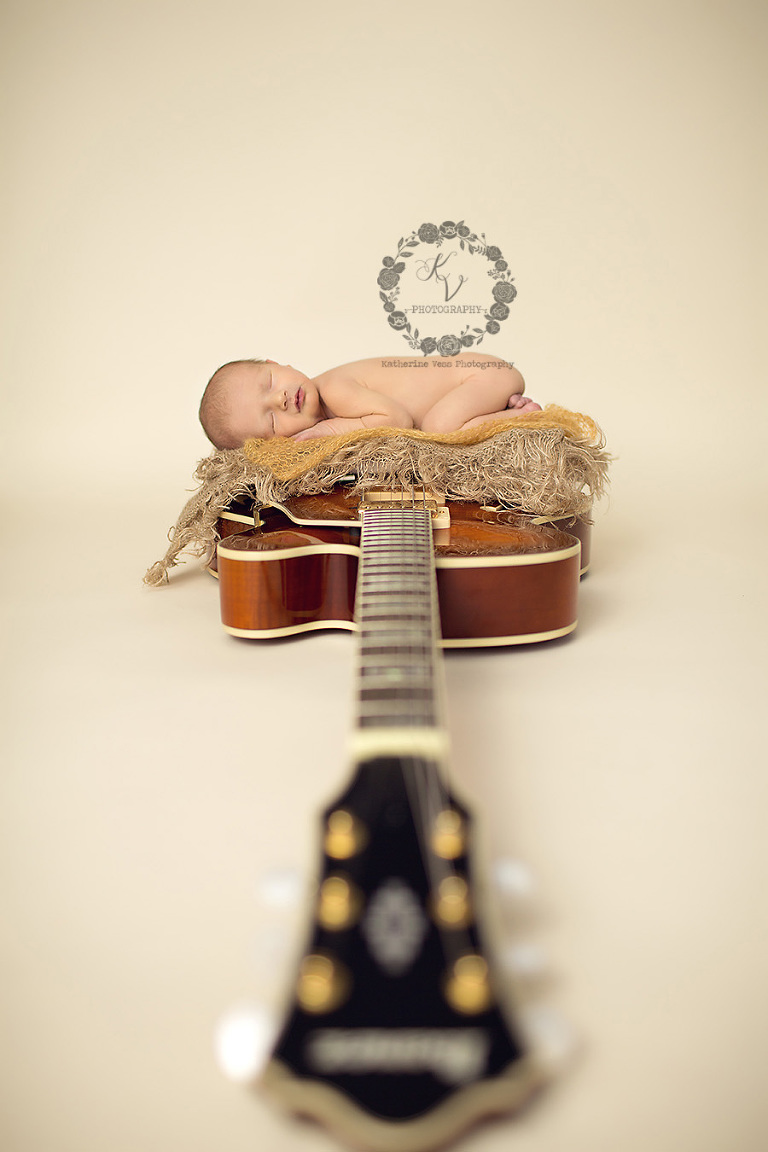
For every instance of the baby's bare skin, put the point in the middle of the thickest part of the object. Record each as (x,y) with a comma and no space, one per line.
(439,394)
(434,394)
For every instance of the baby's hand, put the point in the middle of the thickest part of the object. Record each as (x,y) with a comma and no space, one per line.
(333,427)
(312,433)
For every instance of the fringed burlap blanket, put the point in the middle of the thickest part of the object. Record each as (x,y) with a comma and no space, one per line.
(550,463)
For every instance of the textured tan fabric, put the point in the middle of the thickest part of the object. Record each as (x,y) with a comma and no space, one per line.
(550,463)
(287,459)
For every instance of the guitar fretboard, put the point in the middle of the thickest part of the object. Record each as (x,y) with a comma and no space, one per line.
(398,664)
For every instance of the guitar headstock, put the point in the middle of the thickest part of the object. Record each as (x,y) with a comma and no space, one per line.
(396,1036)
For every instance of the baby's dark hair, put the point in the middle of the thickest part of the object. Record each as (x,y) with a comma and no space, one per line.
(214,409)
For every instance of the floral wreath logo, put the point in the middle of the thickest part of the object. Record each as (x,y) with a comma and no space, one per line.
(434,237)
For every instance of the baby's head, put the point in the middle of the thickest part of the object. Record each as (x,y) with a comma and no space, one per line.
(260,398)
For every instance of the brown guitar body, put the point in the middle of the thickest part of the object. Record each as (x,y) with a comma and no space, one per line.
(501,577)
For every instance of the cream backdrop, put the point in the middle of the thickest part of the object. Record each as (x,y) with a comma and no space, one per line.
(186,183)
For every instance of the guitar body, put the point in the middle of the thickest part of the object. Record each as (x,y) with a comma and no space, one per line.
(501,577)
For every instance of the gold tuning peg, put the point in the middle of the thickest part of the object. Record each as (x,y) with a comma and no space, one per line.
(451,906)
(345,836)
(448,835)
(323,983)
(339,903)
(467,988)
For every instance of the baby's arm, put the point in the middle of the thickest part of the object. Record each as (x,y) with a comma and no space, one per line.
(351,406)
(339,424)
(483,396)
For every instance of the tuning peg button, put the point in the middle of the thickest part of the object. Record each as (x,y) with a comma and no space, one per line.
(524,959)
(243,1041)
(513,878)
(552,1037)
(280,888)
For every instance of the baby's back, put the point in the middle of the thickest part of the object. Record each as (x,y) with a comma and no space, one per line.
(416,383)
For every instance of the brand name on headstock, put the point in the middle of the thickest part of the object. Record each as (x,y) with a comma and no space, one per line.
(453,1055)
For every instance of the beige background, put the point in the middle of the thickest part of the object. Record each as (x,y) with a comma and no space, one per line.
(186,183)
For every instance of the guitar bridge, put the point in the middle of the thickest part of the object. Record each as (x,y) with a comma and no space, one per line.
(408,498)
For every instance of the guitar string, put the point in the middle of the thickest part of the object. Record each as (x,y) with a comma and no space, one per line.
(426,793)
(457,940)
(415,771)
(431,792)
(437,797)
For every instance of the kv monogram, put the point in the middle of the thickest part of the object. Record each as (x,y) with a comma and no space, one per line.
(441,274)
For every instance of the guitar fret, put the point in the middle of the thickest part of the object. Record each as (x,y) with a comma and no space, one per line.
(403,682)
(395,670)
(391,612)
(406,660)
(393,603)
(414,691)
(391,597)
(407,698)
(387,582)
(397,653)
(421,579)
(397,575)
(397,721)
(400,581)
(374,652)
(387,567)
(395,709)
(411,636)
(379,686)
(413,597)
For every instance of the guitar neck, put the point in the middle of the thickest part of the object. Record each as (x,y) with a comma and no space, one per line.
(396,1037)
(399,688)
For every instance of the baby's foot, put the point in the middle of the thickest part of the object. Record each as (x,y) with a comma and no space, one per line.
(523,404)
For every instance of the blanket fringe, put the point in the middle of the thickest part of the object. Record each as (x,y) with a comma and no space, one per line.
(550,463)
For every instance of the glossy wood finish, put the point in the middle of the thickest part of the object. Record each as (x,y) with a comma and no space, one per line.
(279,594)
(339,506)
(508,604)
(501,577)
(574,526)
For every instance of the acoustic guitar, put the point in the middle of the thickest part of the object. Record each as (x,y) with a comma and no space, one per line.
(398,1036)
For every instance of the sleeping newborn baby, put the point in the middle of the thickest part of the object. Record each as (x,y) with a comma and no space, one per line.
(260,398)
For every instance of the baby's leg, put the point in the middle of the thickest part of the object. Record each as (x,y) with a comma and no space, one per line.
(518,403)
